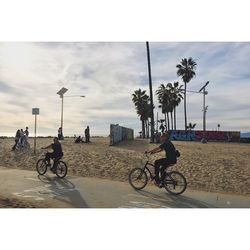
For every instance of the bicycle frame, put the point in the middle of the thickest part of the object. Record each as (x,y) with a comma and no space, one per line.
(145,167)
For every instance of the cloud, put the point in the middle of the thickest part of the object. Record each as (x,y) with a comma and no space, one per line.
(108,73)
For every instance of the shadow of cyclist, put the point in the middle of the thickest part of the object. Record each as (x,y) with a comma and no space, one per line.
(173,201)
(63,190)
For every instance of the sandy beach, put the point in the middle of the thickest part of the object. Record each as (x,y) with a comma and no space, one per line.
(215,166)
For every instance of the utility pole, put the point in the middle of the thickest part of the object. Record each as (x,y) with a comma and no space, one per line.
(151,95)
(204,109)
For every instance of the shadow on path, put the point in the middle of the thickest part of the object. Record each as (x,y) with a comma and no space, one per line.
(179,201)
(63,190)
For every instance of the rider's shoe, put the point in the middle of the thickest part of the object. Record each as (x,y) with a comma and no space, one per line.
(53,169)
(159,184)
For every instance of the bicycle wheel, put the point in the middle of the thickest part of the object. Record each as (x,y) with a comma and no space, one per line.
(41,166)
(175,183)
(138,178)
(61,169)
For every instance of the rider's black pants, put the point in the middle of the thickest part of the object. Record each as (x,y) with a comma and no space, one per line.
(160,167)
(49,156)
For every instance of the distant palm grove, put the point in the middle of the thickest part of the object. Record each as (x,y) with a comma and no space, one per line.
(169,97)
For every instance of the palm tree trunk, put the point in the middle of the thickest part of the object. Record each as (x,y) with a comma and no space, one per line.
(172,125)
(185,105)
(147,128)
(168,121)
(143,129)
(174,118)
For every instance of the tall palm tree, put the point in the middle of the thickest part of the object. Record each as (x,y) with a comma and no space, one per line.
(141,101)
(164,98)
(186,69)
(176,90)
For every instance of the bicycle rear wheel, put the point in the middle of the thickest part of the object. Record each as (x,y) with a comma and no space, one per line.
(138,178)
(41,166)
(61,169)
(175,183)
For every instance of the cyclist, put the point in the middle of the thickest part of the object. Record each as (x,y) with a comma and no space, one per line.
(163,163)
(57,152)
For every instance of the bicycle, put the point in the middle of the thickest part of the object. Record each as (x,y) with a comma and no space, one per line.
(60,167)
(174,182)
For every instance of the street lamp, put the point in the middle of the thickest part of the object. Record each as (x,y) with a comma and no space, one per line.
(61,93)
(204,109)
(204,92)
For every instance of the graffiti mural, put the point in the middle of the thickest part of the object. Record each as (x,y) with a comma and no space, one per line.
(197,135)
(119,133)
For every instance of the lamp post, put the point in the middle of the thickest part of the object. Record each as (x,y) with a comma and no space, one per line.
(204,109)
(61,93)
(204,92)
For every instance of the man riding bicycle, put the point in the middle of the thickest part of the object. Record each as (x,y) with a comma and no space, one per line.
(163,163)
(57,152)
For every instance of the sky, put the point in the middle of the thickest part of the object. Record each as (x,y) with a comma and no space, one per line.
(107,73)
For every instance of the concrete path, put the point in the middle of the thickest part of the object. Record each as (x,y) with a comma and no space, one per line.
(81,192)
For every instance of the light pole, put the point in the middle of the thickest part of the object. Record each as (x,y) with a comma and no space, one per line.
(204,92)
(61,93)
(204,109)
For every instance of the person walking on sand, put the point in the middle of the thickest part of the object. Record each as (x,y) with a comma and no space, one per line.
(17,138)
(26,136)
(57,151)
(87,134)
(161,127)
(60,134)
(161,164)
(22,135)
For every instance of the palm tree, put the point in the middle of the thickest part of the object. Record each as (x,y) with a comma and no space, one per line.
(191,126)
(162,93)
(169,97)
(164,98)
(176,98)
(186,69)
(141,101)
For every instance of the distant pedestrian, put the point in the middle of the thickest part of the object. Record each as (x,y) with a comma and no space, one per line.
(22,135)
(26,136)
(60,134)
(17,138)
(26,132)
(87,135)
(161,127)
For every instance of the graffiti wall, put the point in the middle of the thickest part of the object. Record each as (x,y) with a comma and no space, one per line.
(197,135)
(119,133)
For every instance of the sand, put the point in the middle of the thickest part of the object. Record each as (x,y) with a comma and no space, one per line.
(215,166)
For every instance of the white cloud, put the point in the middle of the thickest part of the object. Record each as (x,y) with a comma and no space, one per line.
(107,74)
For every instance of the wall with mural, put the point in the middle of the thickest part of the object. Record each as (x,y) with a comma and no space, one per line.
(197,135)
(119,133)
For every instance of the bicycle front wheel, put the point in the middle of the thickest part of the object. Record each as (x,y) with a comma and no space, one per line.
(61,169)
(41,166)
(138,178)
(175,183)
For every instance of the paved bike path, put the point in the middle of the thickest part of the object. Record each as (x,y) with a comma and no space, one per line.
(82,192)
